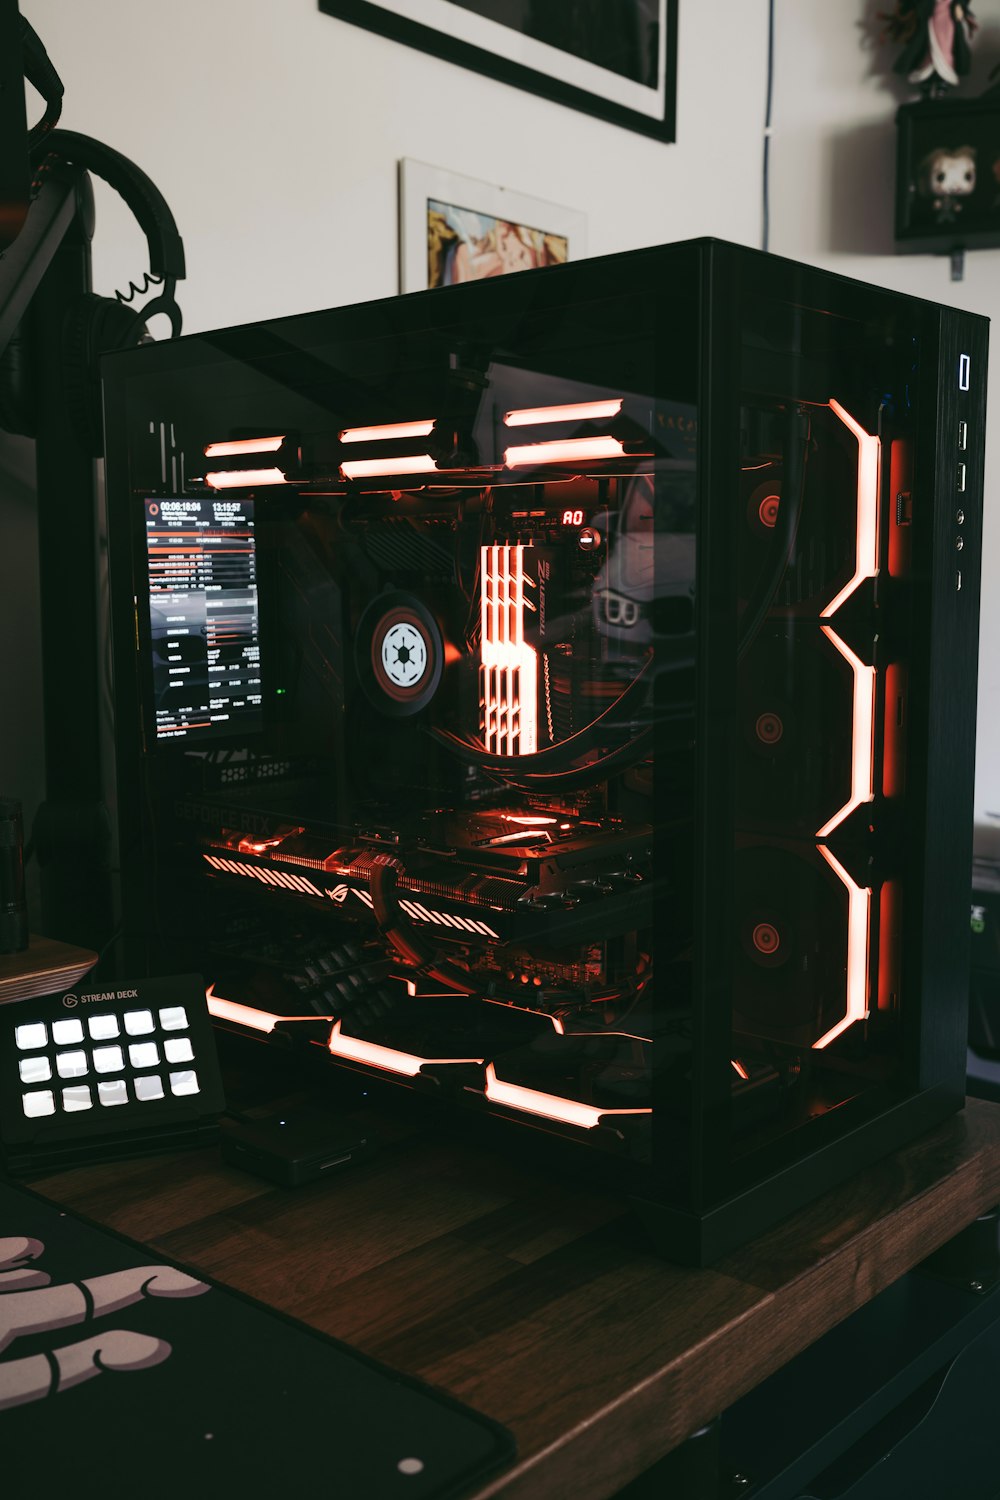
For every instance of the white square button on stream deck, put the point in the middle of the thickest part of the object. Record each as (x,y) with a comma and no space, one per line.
(144,1054)
(65,1033)
(38,1102)
(77,1097)
(34,1069)
(139,1022)
(112,1091)
(108,1059)
(102,1028)
(71,1064)
(33,1034)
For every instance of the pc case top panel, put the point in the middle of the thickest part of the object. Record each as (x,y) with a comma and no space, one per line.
(817,649)
(408,738)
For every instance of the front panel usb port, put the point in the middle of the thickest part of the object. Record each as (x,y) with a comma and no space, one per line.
(961,478)
(963,436)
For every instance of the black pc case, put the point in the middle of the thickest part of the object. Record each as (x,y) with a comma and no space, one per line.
(557,694)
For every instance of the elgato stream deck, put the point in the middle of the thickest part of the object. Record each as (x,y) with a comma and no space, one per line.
(105,1073)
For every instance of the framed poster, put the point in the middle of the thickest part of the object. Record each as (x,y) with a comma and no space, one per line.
(454,228)
(616,59)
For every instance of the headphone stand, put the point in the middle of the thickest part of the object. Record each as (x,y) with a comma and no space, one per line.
(43,275)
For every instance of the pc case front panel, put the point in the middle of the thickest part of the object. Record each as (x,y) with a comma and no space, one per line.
(829,602)
(417,722)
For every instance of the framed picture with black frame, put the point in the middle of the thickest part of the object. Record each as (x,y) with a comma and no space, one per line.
(616,59)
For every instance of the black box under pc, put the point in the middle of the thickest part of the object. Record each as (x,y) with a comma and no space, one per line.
(557,694)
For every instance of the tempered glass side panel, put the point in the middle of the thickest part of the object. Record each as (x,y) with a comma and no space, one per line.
(822,617)
(453,535)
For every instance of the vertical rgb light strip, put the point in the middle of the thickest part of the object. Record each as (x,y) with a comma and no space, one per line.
(863,725)
(858,929)
(866,556)
(862,733)
(508,675)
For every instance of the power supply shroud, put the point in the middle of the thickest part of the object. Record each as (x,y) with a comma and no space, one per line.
(556,694)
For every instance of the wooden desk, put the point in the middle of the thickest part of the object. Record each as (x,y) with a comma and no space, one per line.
(535,1301)
(45,967)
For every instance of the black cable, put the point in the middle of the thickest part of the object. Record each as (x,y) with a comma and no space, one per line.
(563,752)
(766,217)
(134,291)
(585,775)
(400,933)
(40,73)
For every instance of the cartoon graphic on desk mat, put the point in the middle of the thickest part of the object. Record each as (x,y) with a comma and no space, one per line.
(95,1328)
(29,1304)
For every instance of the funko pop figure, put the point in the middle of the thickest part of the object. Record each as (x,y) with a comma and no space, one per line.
(945,179)
(935,36)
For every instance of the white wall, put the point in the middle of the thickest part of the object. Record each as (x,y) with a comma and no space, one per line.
(833,169)
(274,133)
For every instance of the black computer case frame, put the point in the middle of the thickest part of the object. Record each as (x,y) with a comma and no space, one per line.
(700,305)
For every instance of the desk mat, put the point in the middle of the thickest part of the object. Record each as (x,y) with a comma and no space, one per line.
(123,1372)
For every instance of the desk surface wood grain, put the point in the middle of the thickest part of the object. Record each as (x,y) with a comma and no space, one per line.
(539,1302)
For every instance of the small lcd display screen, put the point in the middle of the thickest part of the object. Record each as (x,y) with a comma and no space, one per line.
(203,615)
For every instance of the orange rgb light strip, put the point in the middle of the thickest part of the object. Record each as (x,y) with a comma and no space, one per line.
(862,757)
(865,566)
(247,1015)
(576,411)
(231,479)
(549,1106)
(406,1063)
(388,430)
(866,555)
(244,445)
(858,931)
(368,468)
(564,451)
(508,675)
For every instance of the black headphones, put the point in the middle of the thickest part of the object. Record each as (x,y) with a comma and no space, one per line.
(93,325)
